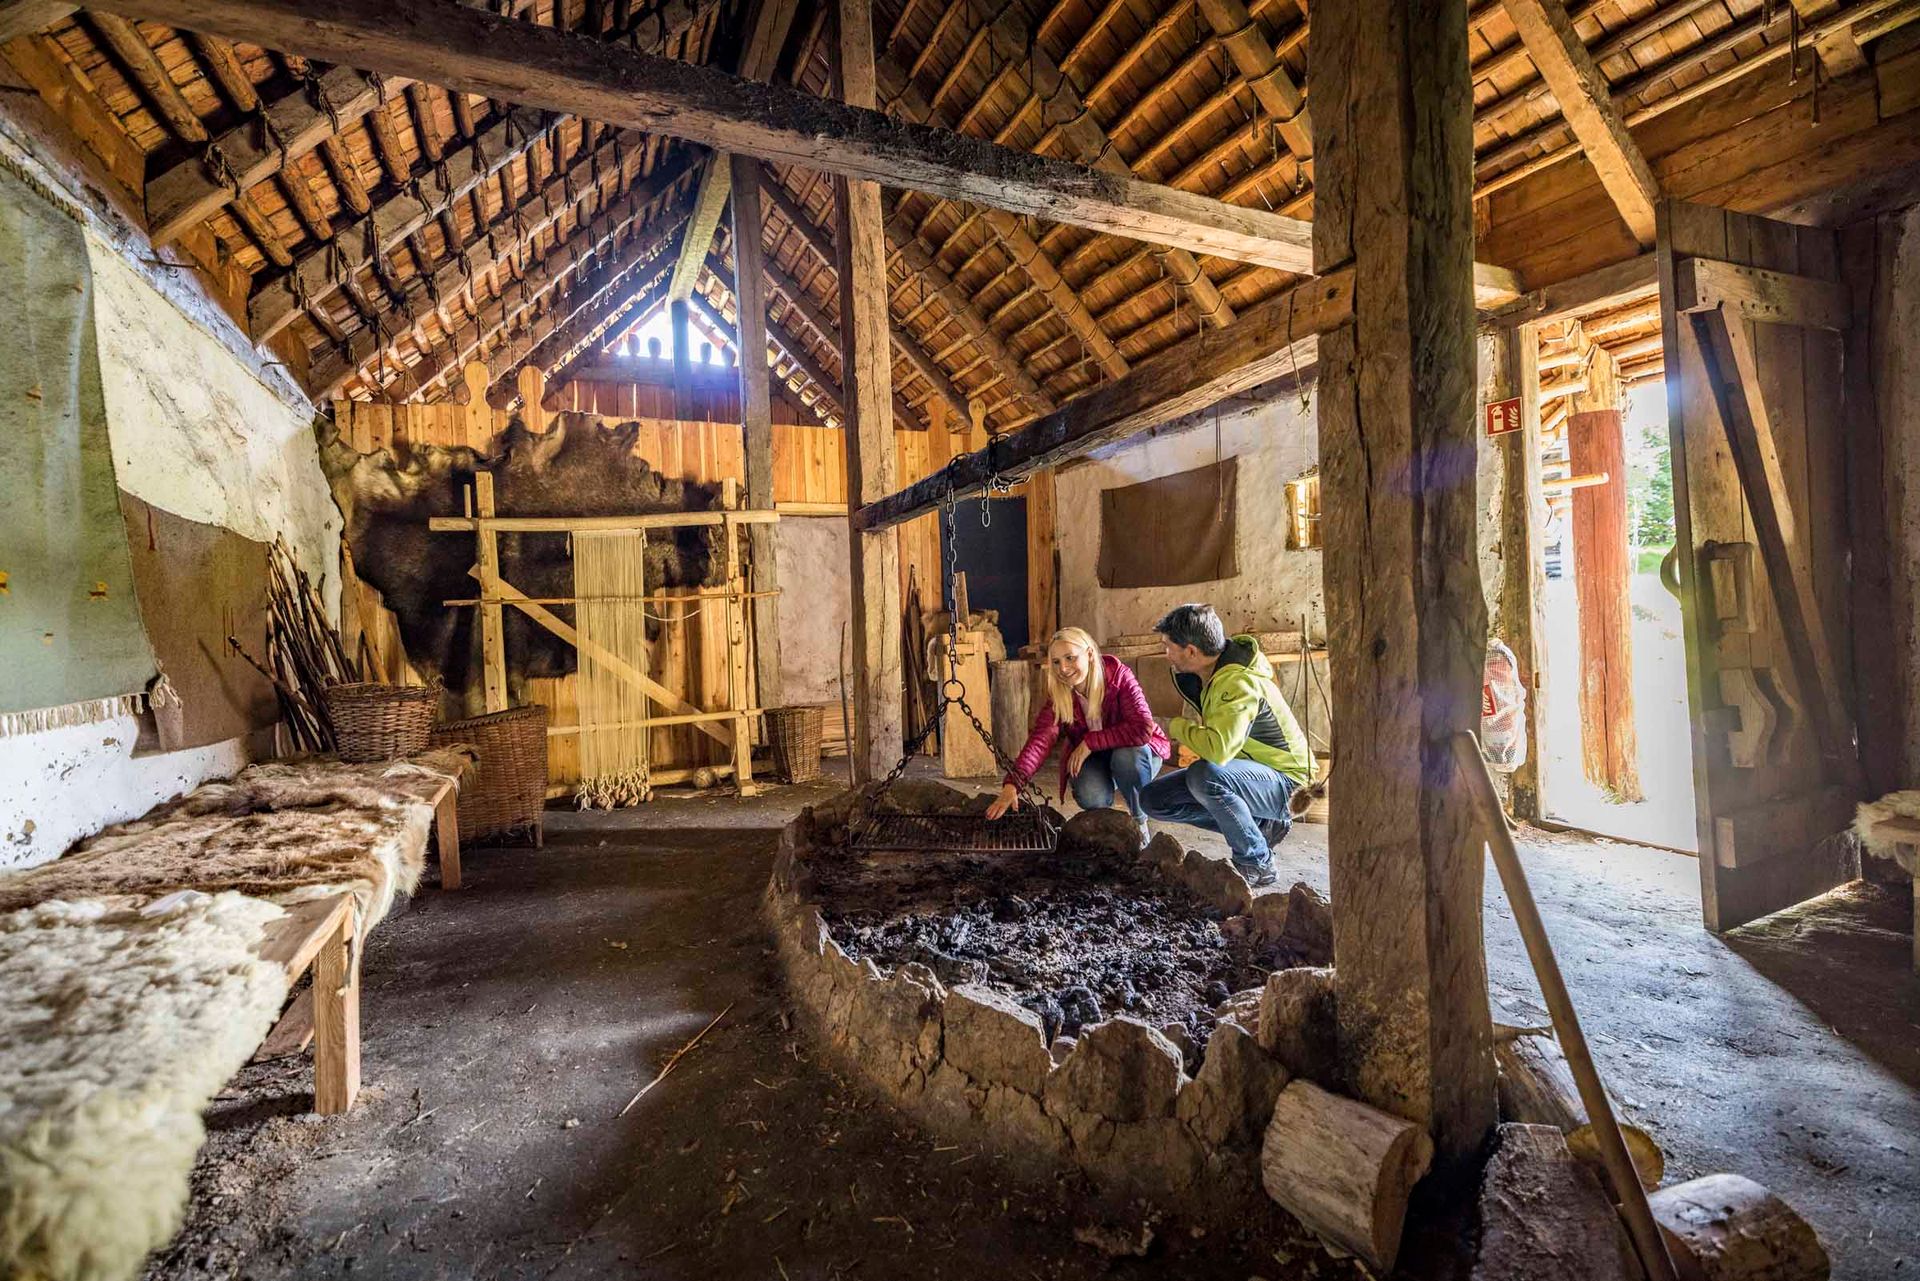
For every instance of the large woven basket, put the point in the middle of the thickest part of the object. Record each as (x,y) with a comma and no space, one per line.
(374,722)
(510,789)
(794,735)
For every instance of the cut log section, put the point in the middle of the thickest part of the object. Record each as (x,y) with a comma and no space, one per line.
(1724,1227)
(1543,1214)
(1537,1088)
(1343,1169)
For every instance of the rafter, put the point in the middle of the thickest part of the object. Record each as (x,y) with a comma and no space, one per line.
(769,25)
(488,256)
(480,52)
(24,17)
(192,190)
(905,99)
(1586,103)
(1246,43)
(815,238)
(601,233)
(1012,41)
(817,320)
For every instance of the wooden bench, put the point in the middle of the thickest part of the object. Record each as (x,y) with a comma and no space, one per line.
(1899,830)
(321,934)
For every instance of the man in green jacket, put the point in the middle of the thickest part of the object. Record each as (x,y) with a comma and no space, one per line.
(1252,753)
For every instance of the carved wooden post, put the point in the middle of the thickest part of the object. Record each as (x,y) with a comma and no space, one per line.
(1392,110)
(867,359)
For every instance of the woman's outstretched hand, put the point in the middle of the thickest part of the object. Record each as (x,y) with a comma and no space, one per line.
(1077,758)
(1009,799)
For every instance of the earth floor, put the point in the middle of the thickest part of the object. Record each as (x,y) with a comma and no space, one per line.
(508,1025)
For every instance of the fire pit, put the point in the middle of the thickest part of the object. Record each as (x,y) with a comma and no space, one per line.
(1096,1005)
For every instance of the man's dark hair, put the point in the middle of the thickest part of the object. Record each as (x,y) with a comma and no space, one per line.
(1195,625)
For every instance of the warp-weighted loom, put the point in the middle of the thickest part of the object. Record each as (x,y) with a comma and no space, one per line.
(617,694)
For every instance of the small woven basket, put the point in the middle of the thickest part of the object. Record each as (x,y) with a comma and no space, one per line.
(375,722)
(510,789)
(794,735)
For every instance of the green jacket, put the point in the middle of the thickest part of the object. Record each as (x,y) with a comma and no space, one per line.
(1242,714)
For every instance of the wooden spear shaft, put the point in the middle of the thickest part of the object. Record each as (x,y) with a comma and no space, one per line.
(1647,1241)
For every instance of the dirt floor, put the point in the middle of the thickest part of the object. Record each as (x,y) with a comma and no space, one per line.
(508,1025)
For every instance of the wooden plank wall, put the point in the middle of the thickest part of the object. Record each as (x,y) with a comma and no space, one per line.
(691,659)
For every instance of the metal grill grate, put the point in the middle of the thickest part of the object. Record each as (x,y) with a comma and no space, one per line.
(958,833)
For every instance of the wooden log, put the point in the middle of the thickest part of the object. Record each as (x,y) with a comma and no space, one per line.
(865,362)
(1012,710)
(1343,1169)
(756,416)
(1724,1227)
(1537,1088)
(1543,1214)
(1393,150)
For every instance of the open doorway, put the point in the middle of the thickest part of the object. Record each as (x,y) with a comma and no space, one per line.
(1615,749)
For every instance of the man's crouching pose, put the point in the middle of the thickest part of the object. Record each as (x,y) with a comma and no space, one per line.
(1252,753)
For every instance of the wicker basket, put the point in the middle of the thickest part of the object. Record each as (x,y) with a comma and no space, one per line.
(374,722)
(794,734)
(510,789)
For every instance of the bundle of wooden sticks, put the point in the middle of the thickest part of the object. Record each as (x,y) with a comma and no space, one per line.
(304,652)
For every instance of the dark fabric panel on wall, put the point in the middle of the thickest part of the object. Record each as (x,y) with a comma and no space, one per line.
(198,584)
(1170,530)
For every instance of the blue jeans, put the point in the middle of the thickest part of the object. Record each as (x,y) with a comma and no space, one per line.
(1231,799)
(1118,771)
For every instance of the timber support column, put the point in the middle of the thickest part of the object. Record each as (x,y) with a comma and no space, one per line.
(1407,626)
(679,313)
(866,363)
(756,417)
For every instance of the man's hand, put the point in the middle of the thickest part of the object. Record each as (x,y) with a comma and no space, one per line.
(1076,758)
(1009,799)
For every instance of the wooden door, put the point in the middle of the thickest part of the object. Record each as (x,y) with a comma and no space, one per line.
(1754,319)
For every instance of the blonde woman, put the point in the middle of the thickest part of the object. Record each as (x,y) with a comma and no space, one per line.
(1113,746)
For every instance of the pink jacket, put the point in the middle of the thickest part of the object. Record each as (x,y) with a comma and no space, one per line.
(1125,721)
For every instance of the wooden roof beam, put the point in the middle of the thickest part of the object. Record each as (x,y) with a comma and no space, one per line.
(770,23)
(582,304)
(1587,105)
(575,353)
(469,50)
(1268,341)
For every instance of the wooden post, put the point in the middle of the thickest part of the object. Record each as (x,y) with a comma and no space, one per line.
(336,1020)
(446,835)
(532,385)
(1596,444)
(756,416)
(1406,626)
(737,657)
(1043,589)
(479,421)
(866,360)
(493,638)
(679,314)
(1522,518)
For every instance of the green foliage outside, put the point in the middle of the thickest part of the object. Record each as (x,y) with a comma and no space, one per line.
(1650,497)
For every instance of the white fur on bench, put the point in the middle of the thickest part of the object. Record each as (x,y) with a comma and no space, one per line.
(119,1028)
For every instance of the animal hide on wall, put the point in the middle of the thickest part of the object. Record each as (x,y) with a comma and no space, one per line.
(579,467)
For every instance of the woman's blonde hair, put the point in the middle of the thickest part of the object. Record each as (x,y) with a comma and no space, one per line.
(1060,694)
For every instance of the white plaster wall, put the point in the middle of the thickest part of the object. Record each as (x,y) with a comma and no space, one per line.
(1896,374)
(195,429)
(196,433)
(814,606)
